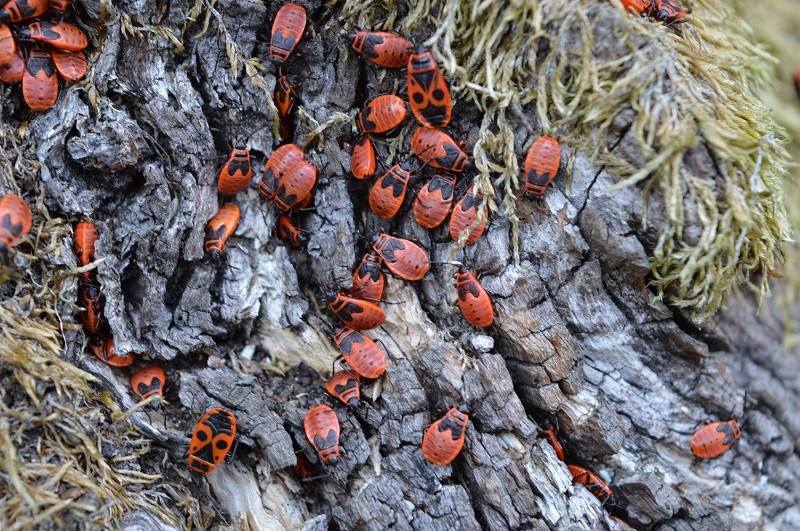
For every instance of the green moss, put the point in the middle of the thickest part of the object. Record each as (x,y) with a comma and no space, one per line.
(688,89)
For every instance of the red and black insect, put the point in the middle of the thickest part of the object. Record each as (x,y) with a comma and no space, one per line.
(474,302)
(295,185)
(356,313)
(428,92)
(404,258)
(438,149)
(91,299)
(387,194)
(70,65)
(8,46)
(714,439)
(39,81)
(345,387)
(465,214)
(287,30)
(667,11)
(61,35)
(303,469)
(322,431)
(219,230)
(15,220)
(105,351)
(362,161)
(434,200)
(591,481)
(361,353)
(445,438)
(83,245)
(383,114)
(549,433)
(383,48)
(235,175)
(19,10)
(212,440)
(642,7)
(541,164)
(276,167)
(12,71)
(368,278)
(285,87)
(288,232)
(148,382)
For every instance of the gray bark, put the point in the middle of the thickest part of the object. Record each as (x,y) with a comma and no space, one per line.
(578,336)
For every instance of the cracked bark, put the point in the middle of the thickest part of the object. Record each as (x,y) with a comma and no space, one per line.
(578,335)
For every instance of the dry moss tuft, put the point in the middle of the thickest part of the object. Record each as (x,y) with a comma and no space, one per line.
(690,89)
(54,434)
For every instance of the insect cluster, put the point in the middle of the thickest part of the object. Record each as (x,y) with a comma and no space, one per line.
(56,48)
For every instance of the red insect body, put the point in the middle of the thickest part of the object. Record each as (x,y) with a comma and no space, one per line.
(404,258)
(434,200)
(235,175)
(70,65)
(445,438)
(428,92)
(549,433)
(465,214)
(39,81)
(287,30)
(667,11)
(541,164)
(148,382)
(368,279)
(387,194)
(219,230)
(295,185)
(83,245)
(15,220)
(105,352)
(474,302)
(8,46)
(284,101)
(591,481)
(92,300)
(356,313)
(20,10)
(362,161)
(288,232)
(276,167)
(640,6)
(714,439)
(322,431)
(383,48)
(345,387)
(212,439)
(361,353)
(12,71)
(382,114)
(438,149)
(61,35)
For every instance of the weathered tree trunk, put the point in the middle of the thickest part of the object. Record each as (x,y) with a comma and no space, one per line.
(578,337)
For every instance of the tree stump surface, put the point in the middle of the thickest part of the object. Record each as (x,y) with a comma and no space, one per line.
(578,336)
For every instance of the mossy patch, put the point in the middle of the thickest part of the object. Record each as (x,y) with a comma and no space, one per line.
(687,88)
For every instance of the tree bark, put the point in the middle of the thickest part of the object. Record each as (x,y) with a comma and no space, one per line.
(578,336)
